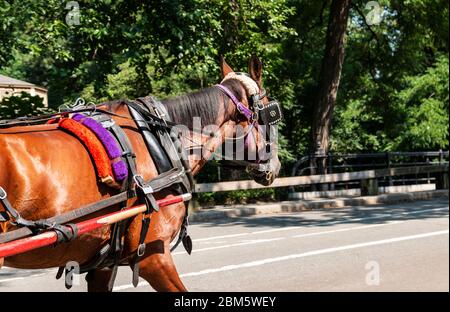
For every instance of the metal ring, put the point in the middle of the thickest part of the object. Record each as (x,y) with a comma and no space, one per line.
(79,102)
(63,108)
(89,105)
(141,250)
(136,181)
(255,117)
(2,191)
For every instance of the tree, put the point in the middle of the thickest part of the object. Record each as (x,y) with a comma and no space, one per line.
(390,97)
(330,75)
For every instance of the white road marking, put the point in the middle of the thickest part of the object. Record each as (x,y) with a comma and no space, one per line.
(315,253)
(301,255)
(322,224)
(11,279)
(255,241)
(21,278)
(362,227)
(232,267)
(355,228)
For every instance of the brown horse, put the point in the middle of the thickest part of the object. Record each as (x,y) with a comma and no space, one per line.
(47,172)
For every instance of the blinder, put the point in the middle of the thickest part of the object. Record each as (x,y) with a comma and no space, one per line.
(269,114)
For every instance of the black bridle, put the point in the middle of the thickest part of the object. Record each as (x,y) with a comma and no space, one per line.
(257,115)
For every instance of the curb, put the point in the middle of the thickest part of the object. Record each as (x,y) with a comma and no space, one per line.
(221,212)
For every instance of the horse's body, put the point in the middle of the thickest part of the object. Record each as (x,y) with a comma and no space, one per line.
(47,172)
(55,175)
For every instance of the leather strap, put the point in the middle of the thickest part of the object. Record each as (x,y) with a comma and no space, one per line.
(68,216)
(158,155)
(244,110)
(141,249)
(172,145)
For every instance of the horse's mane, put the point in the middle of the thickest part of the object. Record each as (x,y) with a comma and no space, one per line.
(203,103)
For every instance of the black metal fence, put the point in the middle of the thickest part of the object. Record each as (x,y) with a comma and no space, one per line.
(337,163)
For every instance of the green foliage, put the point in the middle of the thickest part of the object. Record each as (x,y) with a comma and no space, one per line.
(353,133)
(393,93)
(394,86)
(424,102)
(22,105)
(237,197)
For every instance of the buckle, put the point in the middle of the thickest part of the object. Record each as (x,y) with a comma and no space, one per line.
(3,193)
(141,250)
(255,117)
(127,154)
(139,180)
(109,123)
(240,109)
(257,102)
(160,115)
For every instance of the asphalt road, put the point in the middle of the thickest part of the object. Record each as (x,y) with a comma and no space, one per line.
(402,247)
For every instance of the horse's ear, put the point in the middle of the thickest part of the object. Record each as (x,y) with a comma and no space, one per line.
(224,67)
(255,69)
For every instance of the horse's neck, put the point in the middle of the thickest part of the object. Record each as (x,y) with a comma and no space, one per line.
(199,141)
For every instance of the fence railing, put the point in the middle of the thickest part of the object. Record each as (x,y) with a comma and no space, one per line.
(434,166)
(344,162)
(323,178)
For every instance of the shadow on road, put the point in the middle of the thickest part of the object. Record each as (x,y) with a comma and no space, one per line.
(376,214)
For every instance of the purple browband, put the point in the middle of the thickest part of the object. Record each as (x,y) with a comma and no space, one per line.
(244,110)
(119,167)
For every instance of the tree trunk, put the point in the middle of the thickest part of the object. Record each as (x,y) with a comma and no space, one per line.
(330,75)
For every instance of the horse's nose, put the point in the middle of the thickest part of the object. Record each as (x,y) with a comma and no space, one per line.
(275,166)
(264,179)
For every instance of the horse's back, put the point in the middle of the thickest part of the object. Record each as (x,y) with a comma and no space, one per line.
(47,172)
(45,167)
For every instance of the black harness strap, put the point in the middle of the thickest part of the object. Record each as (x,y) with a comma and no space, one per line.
(172,145)
(141,248)
(115,248)
(66,217)
(144,191)
(65,233)
(162,181)
(157,153)
(169,141)
(16,218)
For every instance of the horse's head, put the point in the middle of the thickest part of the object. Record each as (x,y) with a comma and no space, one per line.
(254,122)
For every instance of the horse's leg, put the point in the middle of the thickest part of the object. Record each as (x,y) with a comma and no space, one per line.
(98,279)
(158,269)
(157,266)
(2,230)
